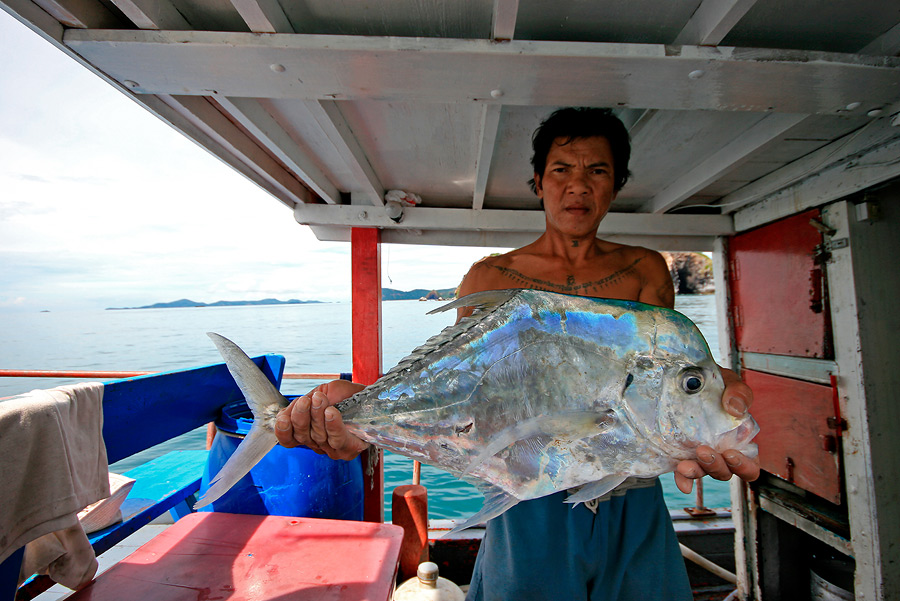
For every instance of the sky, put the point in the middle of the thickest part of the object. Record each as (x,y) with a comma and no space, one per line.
(104,205)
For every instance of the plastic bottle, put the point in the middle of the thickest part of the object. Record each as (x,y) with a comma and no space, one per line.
(428,586)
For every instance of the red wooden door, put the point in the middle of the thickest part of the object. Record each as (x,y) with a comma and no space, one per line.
(795,440)
(778,289)
(780,309)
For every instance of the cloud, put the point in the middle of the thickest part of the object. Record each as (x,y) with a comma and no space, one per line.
(102,204)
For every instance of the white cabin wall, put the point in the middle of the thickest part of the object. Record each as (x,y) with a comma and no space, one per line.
(864,285)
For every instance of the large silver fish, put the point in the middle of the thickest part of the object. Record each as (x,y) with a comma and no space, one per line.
(535,393)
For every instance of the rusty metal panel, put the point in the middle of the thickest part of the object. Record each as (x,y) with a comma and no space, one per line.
(778,289)
(799,439)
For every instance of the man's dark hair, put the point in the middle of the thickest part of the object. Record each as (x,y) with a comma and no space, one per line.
(578,123)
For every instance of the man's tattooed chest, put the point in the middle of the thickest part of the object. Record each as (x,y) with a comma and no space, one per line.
(571,284)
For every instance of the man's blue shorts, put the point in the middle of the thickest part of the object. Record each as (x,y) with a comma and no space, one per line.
(546,549)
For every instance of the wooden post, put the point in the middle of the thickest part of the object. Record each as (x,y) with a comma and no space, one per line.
(365,254)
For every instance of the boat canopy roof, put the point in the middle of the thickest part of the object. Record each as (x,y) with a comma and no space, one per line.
(740,111)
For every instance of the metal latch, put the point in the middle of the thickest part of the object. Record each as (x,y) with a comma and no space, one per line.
(836,244)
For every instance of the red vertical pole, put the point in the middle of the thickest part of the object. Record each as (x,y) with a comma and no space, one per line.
(365,252)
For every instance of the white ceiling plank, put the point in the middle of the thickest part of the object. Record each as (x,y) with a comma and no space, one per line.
(326,67)
(887,44)
(214,124)
(36,18)
(153,14)
(490,123)
(709,25)
(84,14)
(251,115)
(712,21)
(723,161)
(263,16)
(329,117)
(503,26)
(842,179)
(875,134)
(430,218)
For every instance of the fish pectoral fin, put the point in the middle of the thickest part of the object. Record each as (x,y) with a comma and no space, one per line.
(478,300)
(496,501)
(254,447)
(575,424)
(592,490)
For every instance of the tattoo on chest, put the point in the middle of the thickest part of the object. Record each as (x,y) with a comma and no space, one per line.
(570,287)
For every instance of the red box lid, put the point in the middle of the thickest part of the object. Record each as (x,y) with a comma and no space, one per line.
(249,557)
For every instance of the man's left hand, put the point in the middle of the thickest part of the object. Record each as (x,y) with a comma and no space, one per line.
(736,400)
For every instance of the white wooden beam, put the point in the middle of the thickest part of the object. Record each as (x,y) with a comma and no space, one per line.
(490,122)
(851,173)
(38,20)
(876,133)
(252,116)
(503,23)
(230,138)
(723,161)
(430,218)
(712,21)
(153,14)
(887,44)
(263,16)
(188,127)
(443,70)
(84,14)
(328,115)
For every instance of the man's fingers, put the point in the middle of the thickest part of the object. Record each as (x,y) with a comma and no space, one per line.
(343,444)
(712,463)
(283,430)
(317,432)
(685,485)
(737,397)
(741,466)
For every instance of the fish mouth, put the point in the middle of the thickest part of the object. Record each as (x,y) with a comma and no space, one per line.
(739,438)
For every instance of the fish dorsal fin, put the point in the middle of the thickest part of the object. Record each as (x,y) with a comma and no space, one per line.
(487,299)
(576,424)
(496,501)
(592,490)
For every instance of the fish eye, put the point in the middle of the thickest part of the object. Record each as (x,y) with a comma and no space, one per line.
(692,381)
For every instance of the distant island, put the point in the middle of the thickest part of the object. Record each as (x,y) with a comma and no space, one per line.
(691,273)
(179,304)
(417,294)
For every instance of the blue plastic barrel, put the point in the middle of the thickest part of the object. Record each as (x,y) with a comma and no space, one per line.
(286,482)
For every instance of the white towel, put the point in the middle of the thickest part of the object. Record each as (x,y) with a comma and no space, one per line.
(53,465)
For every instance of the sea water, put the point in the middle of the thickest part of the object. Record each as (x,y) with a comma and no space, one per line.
(313,338)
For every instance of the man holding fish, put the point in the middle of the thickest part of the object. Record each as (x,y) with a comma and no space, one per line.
(621,546)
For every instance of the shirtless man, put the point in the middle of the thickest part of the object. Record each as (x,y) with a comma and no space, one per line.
(622,546)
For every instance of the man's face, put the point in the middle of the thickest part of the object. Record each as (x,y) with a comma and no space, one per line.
(577,184)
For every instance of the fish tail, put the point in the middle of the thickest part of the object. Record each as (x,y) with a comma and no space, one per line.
(253,448)
(264,401)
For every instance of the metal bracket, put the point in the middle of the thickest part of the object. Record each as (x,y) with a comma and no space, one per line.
(836,244)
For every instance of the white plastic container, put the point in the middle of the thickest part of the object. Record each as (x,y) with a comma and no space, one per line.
(428,586)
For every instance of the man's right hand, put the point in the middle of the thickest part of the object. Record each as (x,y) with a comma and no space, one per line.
(312,421)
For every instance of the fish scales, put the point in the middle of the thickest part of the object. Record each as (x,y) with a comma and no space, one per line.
(538,392)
